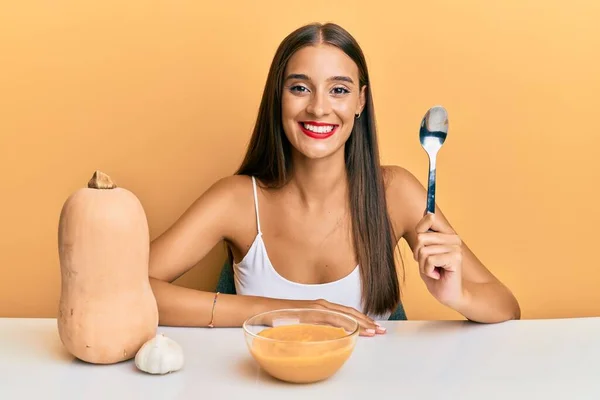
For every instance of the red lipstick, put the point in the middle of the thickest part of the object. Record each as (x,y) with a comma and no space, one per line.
(316,135)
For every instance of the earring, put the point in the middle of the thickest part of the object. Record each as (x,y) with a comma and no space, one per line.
(357,115)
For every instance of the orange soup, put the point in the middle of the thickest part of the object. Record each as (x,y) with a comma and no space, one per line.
(290,356)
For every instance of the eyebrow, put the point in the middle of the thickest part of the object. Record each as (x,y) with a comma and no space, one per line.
(333,78)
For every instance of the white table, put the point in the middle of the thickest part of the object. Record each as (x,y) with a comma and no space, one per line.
(528,359)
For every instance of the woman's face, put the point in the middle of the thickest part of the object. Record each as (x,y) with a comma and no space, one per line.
(321,96)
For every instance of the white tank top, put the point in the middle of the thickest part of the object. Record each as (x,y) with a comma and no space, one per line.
(255,276)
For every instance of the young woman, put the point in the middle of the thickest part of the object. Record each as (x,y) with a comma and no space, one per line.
(311,219)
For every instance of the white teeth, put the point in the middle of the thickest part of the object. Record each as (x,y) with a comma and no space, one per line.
(318,129)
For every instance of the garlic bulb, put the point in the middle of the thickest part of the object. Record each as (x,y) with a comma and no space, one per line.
(159,355)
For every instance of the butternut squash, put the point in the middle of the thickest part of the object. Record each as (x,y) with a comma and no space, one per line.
(107,309)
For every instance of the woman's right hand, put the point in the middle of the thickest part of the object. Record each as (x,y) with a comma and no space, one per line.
(368,327)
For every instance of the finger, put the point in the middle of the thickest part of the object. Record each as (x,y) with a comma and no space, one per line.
(433,238)
(368,327)
(443,261)
(428,268)
(377,330)
(427,251)
(356,314)
(439,224)
(425,261)
(425,223)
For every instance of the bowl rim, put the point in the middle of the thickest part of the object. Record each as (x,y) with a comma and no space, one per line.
(340,314)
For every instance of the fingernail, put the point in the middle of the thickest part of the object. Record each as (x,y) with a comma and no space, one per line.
(381,329)
(372,331)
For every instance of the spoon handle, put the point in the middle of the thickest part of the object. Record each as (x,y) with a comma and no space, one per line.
(431,185)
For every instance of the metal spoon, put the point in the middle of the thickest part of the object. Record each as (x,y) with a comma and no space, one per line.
(433,132)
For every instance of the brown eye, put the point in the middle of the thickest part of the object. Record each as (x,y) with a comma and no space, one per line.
(298,89)
(340,90)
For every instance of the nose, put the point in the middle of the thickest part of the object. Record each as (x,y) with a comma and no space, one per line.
(319,105)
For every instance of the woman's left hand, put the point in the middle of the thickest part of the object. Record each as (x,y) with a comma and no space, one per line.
(439,254)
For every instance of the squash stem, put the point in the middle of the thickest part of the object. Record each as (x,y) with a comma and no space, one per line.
(101,181)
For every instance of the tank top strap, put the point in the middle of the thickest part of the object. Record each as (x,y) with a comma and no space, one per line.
(256,205)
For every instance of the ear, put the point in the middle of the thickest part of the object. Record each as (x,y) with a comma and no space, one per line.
(361,100)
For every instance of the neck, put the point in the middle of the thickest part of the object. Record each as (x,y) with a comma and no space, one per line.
(319,182)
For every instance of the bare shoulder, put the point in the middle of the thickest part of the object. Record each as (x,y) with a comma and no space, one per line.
(225,200)
(227,189)
(400,182)
(406,198)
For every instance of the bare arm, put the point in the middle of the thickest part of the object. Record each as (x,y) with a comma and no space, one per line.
(202,226)
(181,306)
(484,298)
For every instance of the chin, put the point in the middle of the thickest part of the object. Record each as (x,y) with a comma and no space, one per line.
(317,152)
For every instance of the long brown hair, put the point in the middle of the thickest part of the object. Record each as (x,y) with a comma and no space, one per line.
(268,158)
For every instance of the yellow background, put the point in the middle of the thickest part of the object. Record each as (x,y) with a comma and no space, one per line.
(162,96)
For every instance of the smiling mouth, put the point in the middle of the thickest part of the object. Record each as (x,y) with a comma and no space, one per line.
(318,130)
